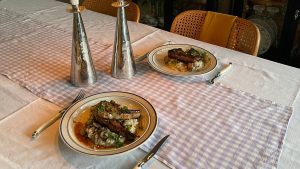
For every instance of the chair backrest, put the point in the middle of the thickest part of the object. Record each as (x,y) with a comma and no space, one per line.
(104,6)
(244,35)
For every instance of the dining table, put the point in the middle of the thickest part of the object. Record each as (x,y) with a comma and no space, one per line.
(249,118)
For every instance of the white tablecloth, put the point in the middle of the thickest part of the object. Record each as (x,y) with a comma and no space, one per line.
(19,108)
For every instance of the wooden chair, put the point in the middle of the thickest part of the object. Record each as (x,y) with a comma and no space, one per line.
(104,6)
(243,36)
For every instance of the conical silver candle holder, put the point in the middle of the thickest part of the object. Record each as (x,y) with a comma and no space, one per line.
(123,65)
(82,68)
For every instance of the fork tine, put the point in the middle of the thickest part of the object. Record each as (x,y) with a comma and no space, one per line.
(80,92)
(79,96)
(83,93)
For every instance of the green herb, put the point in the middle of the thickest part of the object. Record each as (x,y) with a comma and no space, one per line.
(100,108)
(125,109)
(127,127)
(112,135)
(116,138)
(119,144)
(193,52)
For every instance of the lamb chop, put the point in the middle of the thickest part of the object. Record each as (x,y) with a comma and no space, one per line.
(190,57)
(109,114)
(112,110)
(115,126)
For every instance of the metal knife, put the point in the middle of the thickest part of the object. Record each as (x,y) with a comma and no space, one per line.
(151,153)
(141,58)
(212,81)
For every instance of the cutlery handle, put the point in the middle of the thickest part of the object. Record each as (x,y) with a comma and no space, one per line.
(47,124)
(137,166)
(225,69)
(141,58)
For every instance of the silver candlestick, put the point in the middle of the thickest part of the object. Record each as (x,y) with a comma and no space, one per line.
(123,65)
(82,68)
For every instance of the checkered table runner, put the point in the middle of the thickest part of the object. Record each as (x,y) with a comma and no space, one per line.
(211,126)
(13,25)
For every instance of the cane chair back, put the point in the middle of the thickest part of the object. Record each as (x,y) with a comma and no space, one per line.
(244,35)
(189,23)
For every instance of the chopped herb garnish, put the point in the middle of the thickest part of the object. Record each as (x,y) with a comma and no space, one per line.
(125,109)
(100,108)
(193,52)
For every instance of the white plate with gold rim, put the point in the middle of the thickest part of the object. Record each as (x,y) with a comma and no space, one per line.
(77,112)
(156,60)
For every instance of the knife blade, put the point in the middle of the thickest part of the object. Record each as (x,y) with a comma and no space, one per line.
(151,153)
(212,81)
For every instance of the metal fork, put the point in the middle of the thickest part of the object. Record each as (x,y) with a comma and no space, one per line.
(56,117)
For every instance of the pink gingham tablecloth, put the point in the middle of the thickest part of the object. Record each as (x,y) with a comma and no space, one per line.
(211,126)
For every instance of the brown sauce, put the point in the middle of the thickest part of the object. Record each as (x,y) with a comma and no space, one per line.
(77,129)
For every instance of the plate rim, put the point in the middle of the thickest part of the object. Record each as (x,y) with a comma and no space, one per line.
(151,56)
(112,154)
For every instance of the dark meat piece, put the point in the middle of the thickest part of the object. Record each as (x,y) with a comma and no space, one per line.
(107,115)
(119,116)
(180,55)
(112,110)
(115,126)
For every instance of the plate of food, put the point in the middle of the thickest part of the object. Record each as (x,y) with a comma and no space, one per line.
(108,123)
(182,60)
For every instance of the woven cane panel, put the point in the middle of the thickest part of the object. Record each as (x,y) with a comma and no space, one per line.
(189,23)
(104,6)
(244,37)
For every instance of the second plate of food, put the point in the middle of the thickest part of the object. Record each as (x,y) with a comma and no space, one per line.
(108,123)
(182,60)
